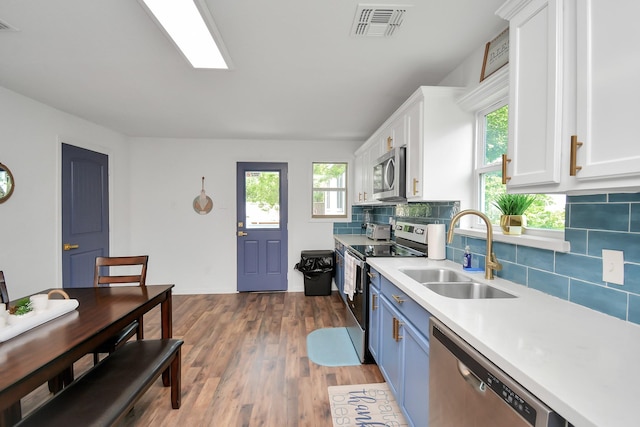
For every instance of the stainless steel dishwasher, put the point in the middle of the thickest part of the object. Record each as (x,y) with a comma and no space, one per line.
(466,389)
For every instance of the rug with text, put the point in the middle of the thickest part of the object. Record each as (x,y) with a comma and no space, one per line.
(364,405)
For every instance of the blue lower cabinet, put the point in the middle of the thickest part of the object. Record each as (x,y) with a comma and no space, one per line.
(390,354)
(374,277)
(374,322)
(402,350)
(415,401)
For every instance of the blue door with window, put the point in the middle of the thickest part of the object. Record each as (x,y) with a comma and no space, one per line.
(261,230)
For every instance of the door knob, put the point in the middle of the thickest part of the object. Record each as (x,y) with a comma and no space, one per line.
(242,233)
(69,246)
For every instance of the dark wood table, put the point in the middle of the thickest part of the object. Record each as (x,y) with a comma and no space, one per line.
(32,358)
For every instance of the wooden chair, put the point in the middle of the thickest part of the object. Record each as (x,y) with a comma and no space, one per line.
(4,295)
(103,276)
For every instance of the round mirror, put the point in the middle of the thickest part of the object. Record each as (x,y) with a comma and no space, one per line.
(6,183)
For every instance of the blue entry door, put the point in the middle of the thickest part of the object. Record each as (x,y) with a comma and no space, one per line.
(262,226)
(85,213)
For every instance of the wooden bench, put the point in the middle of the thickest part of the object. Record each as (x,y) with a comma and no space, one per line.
(107,392)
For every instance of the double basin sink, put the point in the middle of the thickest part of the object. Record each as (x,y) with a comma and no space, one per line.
(452,284)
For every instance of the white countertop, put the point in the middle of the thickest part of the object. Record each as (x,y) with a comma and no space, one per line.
(583,364)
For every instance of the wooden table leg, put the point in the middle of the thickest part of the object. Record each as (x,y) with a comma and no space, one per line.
(61,380)
(11,415)
(167,331)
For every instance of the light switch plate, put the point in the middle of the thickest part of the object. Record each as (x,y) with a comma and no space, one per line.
(613,266)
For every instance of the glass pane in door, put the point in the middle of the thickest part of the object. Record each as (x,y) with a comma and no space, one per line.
(262,200)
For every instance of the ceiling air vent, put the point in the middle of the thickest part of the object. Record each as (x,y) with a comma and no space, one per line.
(377,20)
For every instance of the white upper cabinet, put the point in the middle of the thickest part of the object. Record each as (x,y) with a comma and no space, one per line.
(439,146)
(358,178)
(394,135)
(438,136)
(607,94)
(363,173)
(414,121)
(572,100)
(535,95)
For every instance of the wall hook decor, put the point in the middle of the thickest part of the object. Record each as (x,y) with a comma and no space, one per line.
(202,204)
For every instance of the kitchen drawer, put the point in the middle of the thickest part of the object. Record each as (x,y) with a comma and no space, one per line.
(413,311)
(374,277)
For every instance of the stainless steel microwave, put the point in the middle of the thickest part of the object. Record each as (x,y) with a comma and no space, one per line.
(389,176)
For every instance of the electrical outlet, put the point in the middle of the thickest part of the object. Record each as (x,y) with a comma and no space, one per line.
(613,266)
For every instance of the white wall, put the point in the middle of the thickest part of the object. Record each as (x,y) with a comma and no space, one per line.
(30,145)
(152,186)
(467,74)
(198,252)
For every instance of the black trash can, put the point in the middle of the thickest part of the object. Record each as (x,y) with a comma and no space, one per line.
(317,267)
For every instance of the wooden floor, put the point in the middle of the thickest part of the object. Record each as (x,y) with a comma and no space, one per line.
(244,363)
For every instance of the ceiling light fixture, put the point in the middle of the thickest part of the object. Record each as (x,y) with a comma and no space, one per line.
(184,23)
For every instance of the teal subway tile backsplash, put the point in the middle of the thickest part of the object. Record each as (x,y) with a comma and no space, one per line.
(627,242)
(579,266)
(504,251)
(593,198)
(633,312)
(577,239)
(631,278)
(599,298)
(635,218)
(601,216)
(536,258)
(593,222)
(552,284)
(511,271)
(624,197)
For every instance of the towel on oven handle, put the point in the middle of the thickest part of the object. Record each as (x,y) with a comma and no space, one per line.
(350,271)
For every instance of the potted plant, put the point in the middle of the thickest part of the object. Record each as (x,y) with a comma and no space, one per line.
(513,207)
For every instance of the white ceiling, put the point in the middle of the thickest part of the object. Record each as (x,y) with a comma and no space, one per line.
(297,73)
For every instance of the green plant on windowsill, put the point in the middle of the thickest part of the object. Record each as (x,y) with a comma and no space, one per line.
(513,207)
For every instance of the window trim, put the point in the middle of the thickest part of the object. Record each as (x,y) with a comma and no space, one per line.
(491,92)
(557,244)
(479,166)
(345,188)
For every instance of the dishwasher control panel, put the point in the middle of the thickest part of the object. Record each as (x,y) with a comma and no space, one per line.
(511,397)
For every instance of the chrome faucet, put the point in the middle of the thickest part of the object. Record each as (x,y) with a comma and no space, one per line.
(490,261)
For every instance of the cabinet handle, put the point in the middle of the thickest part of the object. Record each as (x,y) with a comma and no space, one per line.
(398,298)
(371,275)
(573,168)
(505,177)
(374,302)
(396,329)
(415,186)
(394,325)
(389,143)
(359,197)
(365,196)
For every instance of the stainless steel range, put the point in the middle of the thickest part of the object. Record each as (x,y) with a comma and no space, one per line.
(410,242)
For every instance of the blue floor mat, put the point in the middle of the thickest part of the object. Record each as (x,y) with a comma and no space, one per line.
(331,347)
